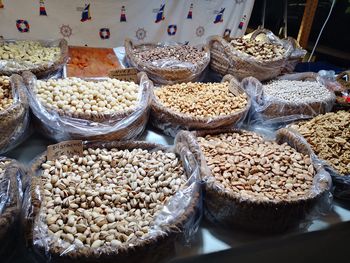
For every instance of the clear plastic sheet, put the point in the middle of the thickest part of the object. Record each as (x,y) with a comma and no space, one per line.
(271,112)
(296,56)
(165,71)
(222,206)
(9,67)
(225,59)
(10,203)
(59,126)
(179,217)
(15,120)
(171,122)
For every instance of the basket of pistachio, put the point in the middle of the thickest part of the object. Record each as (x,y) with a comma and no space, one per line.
(258,184)
(196,105)
(14,112)
(74,108)
(117,201)
(168,63)
(42,58)
(244,57)
(288,98)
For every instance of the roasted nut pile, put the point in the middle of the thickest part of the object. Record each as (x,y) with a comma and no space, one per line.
(28,51)
(201,99)
(108,197)
(257,49)
(256,169)
(329,137)
(6,99)
(77,95)
(3,165)
(296,91)
(183,53)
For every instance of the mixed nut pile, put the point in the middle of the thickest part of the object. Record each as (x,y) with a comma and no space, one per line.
(259,50)
(329,137)
(296,91)
(31,52)
(6,99)
(89,97)
(108,197)
(182,53)
(256,169)
(201,99)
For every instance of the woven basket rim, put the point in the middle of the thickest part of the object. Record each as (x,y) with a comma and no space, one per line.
(102,253)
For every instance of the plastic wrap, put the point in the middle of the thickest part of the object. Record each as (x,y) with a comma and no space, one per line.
(60,126)
(15,120)
(164,71)
(225,59)
(171,122)
(296,56)
(9,67)
(178,218)
(10,203)
(270,111)
(225,207)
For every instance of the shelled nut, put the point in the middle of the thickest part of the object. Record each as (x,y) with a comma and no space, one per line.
(329,137)
(108,197)
(182,53)
(6,99)
(258,49)
(28,51)
(257,169)
(296,91)
(201,99)
(78,95)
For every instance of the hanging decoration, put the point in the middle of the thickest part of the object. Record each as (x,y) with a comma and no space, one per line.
(85,15)
(42,9)
(172,30)
(241,24)
(227,32)
(189,15)
(160,15)
(66,31)
(22,25)
(219,16)
(105,33)
(141,33)
(1,4)
(200,31)
(123,14)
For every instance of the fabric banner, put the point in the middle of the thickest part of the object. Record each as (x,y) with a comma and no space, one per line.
(106,23)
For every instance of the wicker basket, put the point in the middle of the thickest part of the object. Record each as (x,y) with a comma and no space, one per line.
(44,70)
(170,121)
(62,125)
(14,121)
(227,208)
(149,250)
(269,109)
(225,59)
(166,75)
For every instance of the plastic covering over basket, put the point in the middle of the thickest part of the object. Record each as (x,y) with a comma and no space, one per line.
(171,122)
(178,219)
(41,70)
(166,71)
(226,207)
(11,175)
(225,59)
(271,111)
(61,125)
(15,120)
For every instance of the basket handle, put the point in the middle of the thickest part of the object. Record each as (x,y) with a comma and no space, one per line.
(128,46)
(300,76)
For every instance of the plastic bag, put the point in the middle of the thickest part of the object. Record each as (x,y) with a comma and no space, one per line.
(15,120)
(222,206)
(9,67)
(270,111)
(11,175)
(341,182)
(115,126)
(171,122)
(164,71)
(178,217)
(296,56)
(225,59)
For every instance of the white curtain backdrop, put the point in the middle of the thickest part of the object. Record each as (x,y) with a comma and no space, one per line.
(106,23)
